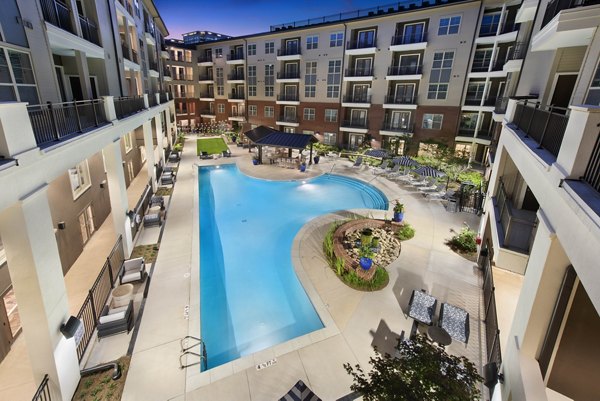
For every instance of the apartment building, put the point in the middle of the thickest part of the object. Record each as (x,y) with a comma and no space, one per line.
(193,38)
(542,217)
(83,110)
(184,83)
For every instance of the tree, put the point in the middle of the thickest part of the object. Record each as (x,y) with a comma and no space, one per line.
(419,371)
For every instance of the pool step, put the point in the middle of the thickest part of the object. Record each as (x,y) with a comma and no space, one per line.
(378,199)
(185,352)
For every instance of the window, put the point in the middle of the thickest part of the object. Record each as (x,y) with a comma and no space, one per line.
(252,49)
(220,81)
(432,121)
(220,108)
(468,122)
(475,91)
(309,113)
(331,115)
(269,80)
(269,47)
(269,111)
(251,80)
(310,79)
(219,53)
(79,177)
(252,110)
(489,24)
(329,138)
(86,224)
(17,82)
(449,25)
(593,96)
(220,90)
(312,42)
(336,40)
(128,142)
(440,75)
(334,74)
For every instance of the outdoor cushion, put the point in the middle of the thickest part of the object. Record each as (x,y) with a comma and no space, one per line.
(112,318)
(117,310)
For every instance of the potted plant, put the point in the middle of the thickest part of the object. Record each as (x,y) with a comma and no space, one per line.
(302,167)
(375,242)
(255,161)
(366,236)
(366,257)
(398,212)
(317,157)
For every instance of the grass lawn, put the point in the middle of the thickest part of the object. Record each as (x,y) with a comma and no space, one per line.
(210,145)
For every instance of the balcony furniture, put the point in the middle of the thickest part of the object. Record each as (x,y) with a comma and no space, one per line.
(226,153)
(153,219)
(421,307)
(439,335)
(157,200)
(132,270)
(115,320)
(358,162)
(174,157)
(167,178)
(205,155)
(455,321)
(121,295)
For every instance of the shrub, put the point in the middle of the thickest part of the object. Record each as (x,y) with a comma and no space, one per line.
(464,241)
(405,232)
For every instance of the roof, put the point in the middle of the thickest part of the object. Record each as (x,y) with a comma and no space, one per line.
(265,136)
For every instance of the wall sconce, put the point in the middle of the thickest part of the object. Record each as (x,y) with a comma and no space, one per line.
(61,225)
(491,376)
(130,214)
(103,184)
(73,327)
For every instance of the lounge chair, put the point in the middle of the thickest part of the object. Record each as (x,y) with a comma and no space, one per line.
(393,172)
(205,155)
(455,321)
(115,320)
(300,392)
(153,219)
(358,162)
(226,153)
(421,307)
(382,169)
(132,270)
(434,187)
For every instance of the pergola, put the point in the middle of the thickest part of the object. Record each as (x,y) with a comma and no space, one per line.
(265,136)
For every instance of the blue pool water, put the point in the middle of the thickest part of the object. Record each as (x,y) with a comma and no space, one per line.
(250,297)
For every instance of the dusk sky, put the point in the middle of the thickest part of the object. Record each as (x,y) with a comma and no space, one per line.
(243,17)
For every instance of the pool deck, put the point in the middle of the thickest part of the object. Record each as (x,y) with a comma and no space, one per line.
(355,321)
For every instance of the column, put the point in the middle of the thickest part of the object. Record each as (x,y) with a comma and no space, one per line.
(84,74)
(27,232)
(109,108)
(16,133)
(160,136)
(118,193)
(150,159)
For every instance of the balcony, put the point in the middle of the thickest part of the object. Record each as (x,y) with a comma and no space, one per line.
(207,96)
(55,122)
(126,106)
(205,60)
(291,53)
(415,41)
(360,125)
(163,97)
(183,77)
(167,74)
(236,97)
(407,72)
(477,101)
(358,47)
(358,74)
(490,33)
(468,135)
(291,76)
(237,116)
(400,102)
(500,108)
(288,98)
(556,6)
(394,128)
(235,58)
(516,228)
(206,78)
(236,76)
(545,125)
(357,101)
(207,113)
(289,120)
(58,14)
(89,31)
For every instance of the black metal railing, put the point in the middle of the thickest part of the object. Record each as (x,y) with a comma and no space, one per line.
(501,104)
(357,99)
(53,122)
(207,112)
(408,39)
(289,51)
(235,56)
(206,77)
(517,52)
(396,99)
(140,208)
(509,26)
(480,65)
(153,65)
(288,75)
(492,330)
(90,310)
(237,114)
(546,125)
(152,100)
(237,96)
(163,97)
(592,171)
(89,30)
(207,95)
(288,119)
(288,97)
(360,44)
(183,77)
(126,106)
(556,6)
(359,72)
(125,51)
(398,127)
(43,391)
(167,72)
(356,123)
(405,69)
(58,14)
(205,59)
(235,76)
(518,226)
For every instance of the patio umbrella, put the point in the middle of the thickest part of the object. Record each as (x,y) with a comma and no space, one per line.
(427,171)
(405,161)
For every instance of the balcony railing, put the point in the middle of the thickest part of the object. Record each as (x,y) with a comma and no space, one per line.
(182,77)
(518,225)
(291,51)
(235,76)
(235,56)
(153,65)
(237,114)
(509,26)
(408,39)
(477,101)
(500,106)
(290,97)
(205,59)
(288,118)
(163,97)
(206,77)
(405,69)
(360,44)
(167,72)
(89,31)
(546,125)
(359,72)
(492,29)
(556,6)
(125,51)
(592,171)
(398,127)
(517,52)
(58,14)
(149,28)
(358,123)
(152,100)
(207,95)
(288,75)
(126,106)
(43,391)
(357,99)
(393,99)
(237,96)
(53,122)
(208,112)
(470,133)
(134,56)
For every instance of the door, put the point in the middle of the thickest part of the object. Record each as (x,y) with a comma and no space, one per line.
(60,77)
(563,89)
(76,91)
(291,92)
(413,33)
(234,110)
(358,118)
(409,64)
(291,70)
(399,120)
(366,39)
(362,67)
(360,93)
(355,141)
(291,46)
(86,224)
(239,72)
(289,114)
(404,93)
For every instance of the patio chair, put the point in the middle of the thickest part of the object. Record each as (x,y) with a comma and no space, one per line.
(174,157)
(226,153)
(421,307)
(205,155)
(300,392)
(157,200)
(167,178)
(455,321)
(382,169)
(132,270)
(393,172)
(358,162)
(153,219)
(435,187)
(115,320)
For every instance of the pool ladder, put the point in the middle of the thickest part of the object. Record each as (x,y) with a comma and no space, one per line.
(185,352)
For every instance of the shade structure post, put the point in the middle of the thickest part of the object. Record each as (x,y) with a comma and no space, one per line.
(310,156)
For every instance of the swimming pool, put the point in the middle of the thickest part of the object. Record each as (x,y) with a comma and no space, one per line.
(250,297)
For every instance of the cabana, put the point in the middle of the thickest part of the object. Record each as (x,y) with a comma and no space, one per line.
(264,136)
